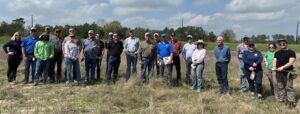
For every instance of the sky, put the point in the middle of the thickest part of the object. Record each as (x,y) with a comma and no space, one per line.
(244,17)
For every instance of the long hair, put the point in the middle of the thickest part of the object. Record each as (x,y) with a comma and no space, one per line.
(14,36)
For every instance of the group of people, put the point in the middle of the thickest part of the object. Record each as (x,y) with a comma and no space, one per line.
(279,69)
(43,52)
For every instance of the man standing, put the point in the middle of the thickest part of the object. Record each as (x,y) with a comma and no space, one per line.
(187,53)
(147,54)
(283,62)
(240,49)
(222,57)
(110,39)
(156,41)
(131,46)
(28,54)
(43,51)
(114,50)
(176,59)
(89,55)
(56,41)
(99,57)
(165,58)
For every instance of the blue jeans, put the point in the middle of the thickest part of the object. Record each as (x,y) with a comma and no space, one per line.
(221,72)
(243,78)
(113,65)
(131,60)
(76,67)
(256,84)
(188,64)
(146,63)
(29,61)
(90,65)
(42,66)
(197,74)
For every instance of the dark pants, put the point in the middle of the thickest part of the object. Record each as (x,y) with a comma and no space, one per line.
(13,63)
(113,66)
(157,68)
(147,63)
(57,60)
(90,65)
(221,71)
(188,64)
(131,60)
(176,63)
(98,68)
(29,62)
(255,84)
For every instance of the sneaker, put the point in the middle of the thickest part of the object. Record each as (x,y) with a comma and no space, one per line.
(35,83)
(198,90)
(252,95)
(24,81)
(259,96)
(291,105)
(68,83)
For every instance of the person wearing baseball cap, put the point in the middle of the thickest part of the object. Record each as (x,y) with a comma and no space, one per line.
(197,66)
(165,58)
(252,59)
(89,56)
(156,41)
(177,48)
(146,57)
(43,52)
(28,45)
(72,54)
(283,64)
(239,53)
(187,53)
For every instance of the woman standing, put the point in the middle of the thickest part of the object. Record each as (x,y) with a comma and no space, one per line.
(198,66)
(13,49)
(268,59)
(253,70)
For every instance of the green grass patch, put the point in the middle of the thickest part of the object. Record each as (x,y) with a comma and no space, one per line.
(4,39)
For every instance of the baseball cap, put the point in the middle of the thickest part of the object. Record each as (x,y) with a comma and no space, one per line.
(164,35)
(189,36)
(91,32)
(110,33)
(155,34)
(147,33)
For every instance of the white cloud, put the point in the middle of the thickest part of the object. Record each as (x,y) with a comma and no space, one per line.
(257,16)
(204,3)
(259,5)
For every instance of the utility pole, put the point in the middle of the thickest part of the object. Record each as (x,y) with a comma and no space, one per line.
(31,20)
(297,32)
(182,31)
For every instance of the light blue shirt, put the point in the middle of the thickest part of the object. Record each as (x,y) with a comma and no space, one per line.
(222,54)
(188,50)
(131,45)
(89,51)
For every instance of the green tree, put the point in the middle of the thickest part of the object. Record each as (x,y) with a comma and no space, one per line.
(228,35)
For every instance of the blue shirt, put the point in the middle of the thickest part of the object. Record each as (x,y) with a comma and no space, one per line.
(29,43)
(188,50)
(252,57)
(88,50)
(164,49)
(222,54)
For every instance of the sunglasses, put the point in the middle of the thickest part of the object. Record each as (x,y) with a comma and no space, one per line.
(282,44)
(272,47)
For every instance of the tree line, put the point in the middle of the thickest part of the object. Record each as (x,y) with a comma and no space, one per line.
(7,29)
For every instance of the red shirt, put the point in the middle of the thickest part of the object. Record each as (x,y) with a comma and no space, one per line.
(176,47)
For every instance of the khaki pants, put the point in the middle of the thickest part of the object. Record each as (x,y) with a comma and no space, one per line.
(285,87)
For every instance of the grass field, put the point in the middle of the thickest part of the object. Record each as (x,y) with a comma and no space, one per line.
(131,97)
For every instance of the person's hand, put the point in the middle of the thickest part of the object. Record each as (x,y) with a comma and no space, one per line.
(251,68)
(141,62)
(158,62)
(280,68)
(95,46)
(10,53)
(254,64)
(24,58)
(266,63)
(135,52)
(82,59)
(273,69)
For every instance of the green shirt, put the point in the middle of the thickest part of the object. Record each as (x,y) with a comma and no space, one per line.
(43,50)
(147,49)
(270,58)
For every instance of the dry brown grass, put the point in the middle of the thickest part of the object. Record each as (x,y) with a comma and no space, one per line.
(131,97)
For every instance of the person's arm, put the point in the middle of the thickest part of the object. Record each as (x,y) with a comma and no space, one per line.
(184,52)
(138,46)
(125,46)
(292,60)
(66,50)
(36,50)
(265,59)
(171,55)
(51,51)
(238,51)
(81,55)
(140,51)
(274,65)
(5,47)
(228,55)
